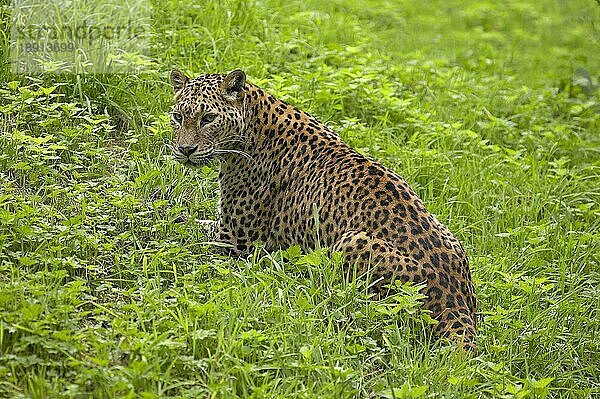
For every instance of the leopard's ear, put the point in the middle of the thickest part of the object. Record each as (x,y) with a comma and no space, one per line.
(178,79)
(233,85)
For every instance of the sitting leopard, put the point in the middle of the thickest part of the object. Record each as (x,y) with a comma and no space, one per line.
(279,166)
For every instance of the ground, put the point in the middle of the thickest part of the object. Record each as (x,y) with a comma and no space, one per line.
(490,112)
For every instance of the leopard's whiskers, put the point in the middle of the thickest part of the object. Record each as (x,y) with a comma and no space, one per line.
(238,152)
(169,146)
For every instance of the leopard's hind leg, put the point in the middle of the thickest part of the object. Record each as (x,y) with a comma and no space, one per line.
(447,299)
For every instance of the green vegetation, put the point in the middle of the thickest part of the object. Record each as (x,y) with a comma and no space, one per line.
(489,109)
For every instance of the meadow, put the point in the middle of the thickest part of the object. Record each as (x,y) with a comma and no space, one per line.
(490,110)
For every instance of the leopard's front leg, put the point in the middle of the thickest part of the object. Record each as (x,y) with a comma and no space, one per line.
(226,242)
(210,229)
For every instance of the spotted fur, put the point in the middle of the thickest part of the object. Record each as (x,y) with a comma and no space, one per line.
(278,164)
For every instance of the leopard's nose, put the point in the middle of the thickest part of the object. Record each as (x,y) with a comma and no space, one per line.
(188,150)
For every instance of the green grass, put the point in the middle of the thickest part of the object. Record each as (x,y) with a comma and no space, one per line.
(107,285)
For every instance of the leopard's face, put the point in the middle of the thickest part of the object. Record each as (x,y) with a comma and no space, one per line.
(208,116)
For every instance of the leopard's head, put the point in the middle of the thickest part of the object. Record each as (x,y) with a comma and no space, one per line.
(208,115)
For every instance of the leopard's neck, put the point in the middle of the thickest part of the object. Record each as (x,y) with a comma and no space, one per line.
(272,129)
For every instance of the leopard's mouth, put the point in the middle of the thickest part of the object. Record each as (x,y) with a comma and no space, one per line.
(195,159)
(191,164)
(196,163)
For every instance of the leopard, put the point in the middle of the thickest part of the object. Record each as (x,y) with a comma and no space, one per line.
(279,167)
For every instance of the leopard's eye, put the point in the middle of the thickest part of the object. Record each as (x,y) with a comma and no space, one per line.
(177,117)
(208,118)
